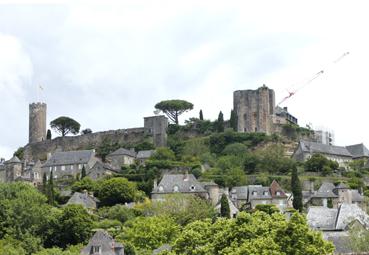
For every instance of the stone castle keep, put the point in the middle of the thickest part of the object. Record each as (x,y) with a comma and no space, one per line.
(256,111)
(154,130)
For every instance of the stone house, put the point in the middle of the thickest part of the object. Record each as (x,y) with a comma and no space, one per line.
(142,156)
(103,244)
(88,201)
(335,223)
(252,195)
(121,157)
(358,151)
(13,169)
(233,210)
(69,163)
(306,149)
(100,170)
(178,183)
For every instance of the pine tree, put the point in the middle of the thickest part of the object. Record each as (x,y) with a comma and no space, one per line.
(44,184)
(224,207)
(201,116)
(51,194)
(83,172)
(296,190)
(48,134)
(220,123)
(233,120)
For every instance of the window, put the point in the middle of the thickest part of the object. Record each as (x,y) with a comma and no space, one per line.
(192,188)
(54,168)
(50,168)
(62,168)
(95,249)
(278,193)
(71,167)
(80,166)
(175,188)
(254,193)
(266,193)
(161,188)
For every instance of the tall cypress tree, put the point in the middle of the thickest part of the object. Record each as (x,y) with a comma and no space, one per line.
(225,211)
(51,194)
(296,190)
(220,123)
(83,172)
(44,184)
(48,135)
(201,116)
(233,120)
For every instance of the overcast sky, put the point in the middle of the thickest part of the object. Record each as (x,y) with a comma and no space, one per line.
(106,65)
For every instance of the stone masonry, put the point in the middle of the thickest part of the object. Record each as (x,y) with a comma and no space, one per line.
(37,122)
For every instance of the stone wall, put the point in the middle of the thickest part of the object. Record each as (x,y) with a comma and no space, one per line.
(40,150)
(37,122)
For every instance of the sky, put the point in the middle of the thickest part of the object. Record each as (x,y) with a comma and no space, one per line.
(107,63)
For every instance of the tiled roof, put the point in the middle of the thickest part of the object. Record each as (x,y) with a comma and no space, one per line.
(13,160)
(358,150)
(348,213)
(122,151)
(145,154)
(83,199)
(184,183)
(326,191)
(70,158)
(258,192)
(240,193)
(106,243)
(313,147)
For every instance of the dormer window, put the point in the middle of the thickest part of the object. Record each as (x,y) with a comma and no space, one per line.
(175,188)
(192,188)
(161,188)
(95,250)
(254,193)
(278,193)
(265,193)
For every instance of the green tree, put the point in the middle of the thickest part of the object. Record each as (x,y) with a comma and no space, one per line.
(83,172)
(269,209)
(220,123)
(224,207)
(117,191)
(163,153)
(233,120)
(296,190)
(65,125)
(86,184)
(117,212)
(358,239)
(148,233)
(10,246)
(50,190)
(236,149)
(86,131)
(201,117)
(44,184)
(174,108)
(48,134)
(330,203)
(319,163)
(19,153)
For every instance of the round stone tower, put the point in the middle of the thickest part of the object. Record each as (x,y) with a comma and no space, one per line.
(37,122)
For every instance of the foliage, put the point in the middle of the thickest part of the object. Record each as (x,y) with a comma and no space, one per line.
(117,191)
(224,207)
(148,233)
(235,149)
(19,153)
(48,134)
(86,131)
(65,125)
(358,239)
(233,120)
(201,116)
(296,191)
(247,234)
(174,108)
(220,123)
(143,146)
(269,209)
(72,250)
(330,203)
(319,163)
(85,184)
(183,209)
(50,190)
(10,246)
(117,212)
(163,153)
(83,172)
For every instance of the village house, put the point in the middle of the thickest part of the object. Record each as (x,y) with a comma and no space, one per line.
(142,156)
(100,170)
(88,201)
(252,195)
(335,223)
(69,163)
(102,243)
(121,157)
(178,183)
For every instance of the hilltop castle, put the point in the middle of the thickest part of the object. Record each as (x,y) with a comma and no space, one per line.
(154,131)
(256,111)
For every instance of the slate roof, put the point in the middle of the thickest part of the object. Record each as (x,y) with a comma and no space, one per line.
(108,246)
(13,160)
(340,240)
(106,166)
(358,150)
(313,147)
(145,154)
(70,158)
(83,199)
(326,191)
(320,217)
(186,183)
(240,192)
(356,196)
(258,192)
(122,151)
(341,186)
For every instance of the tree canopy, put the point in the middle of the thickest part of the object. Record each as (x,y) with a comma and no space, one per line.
(174,108)
(65,125)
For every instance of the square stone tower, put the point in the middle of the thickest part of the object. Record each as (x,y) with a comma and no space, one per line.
(37,122)
(156,126)
(254,109)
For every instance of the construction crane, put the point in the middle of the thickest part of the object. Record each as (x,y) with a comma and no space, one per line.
(291,93)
